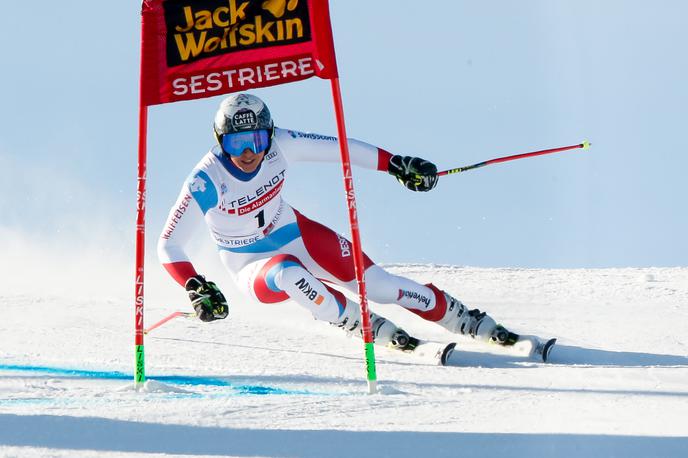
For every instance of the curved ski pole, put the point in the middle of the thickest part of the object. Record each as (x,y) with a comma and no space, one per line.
(168,318)
(585,145)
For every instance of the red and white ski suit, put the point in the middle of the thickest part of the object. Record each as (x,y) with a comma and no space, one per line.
(272,251)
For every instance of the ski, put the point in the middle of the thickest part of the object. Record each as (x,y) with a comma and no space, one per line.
(545,348)
(435,352)
(523,345)
(526,346)
(533,347)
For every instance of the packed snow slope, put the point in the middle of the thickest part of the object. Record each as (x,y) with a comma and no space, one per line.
(271,381)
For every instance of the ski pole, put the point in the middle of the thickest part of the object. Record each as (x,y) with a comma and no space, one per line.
(584,145)
(169,317)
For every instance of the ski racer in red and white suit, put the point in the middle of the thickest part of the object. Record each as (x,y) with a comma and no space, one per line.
(275,253)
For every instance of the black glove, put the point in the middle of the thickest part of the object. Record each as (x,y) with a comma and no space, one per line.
(207,300)
(413,172)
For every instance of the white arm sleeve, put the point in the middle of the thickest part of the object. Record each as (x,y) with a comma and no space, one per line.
(184,219)
(299,146)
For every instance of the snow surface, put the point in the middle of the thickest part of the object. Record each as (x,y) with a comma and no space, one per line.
(271,381)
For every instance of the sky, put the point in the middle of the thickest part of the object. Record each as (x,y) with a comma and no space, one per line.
(460,83)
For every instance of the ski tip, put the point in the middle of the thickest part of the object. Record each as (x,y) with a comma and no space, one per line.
(547,349)
(446,353)
(586,144)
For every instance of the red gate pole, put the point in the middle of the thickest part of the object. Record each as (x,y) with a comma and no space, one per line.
(140,372)
(355,237)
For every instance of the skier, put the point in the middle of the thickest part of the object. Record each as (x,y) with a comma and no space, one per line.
(275,253)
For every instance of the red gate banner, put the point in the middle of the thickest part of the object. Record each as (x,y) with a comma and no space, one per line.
(201,48)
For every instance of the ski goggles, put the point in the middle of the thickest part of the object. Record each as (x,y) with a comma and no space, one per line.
(255,140)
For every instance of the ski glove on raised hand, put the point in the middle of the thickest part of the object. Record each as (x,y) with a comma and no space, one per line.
(413,172)
(207,299)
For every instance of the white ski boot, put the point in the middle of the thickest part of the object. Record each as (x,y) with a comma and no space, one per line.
(384,331)
(474,323)
(388,334)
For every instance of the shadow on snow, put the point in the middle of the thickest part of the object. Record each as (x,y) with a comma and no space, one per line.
(84,433)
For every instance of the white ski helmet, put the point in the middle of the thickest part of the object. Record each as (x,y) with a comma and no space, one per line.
(239,113)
